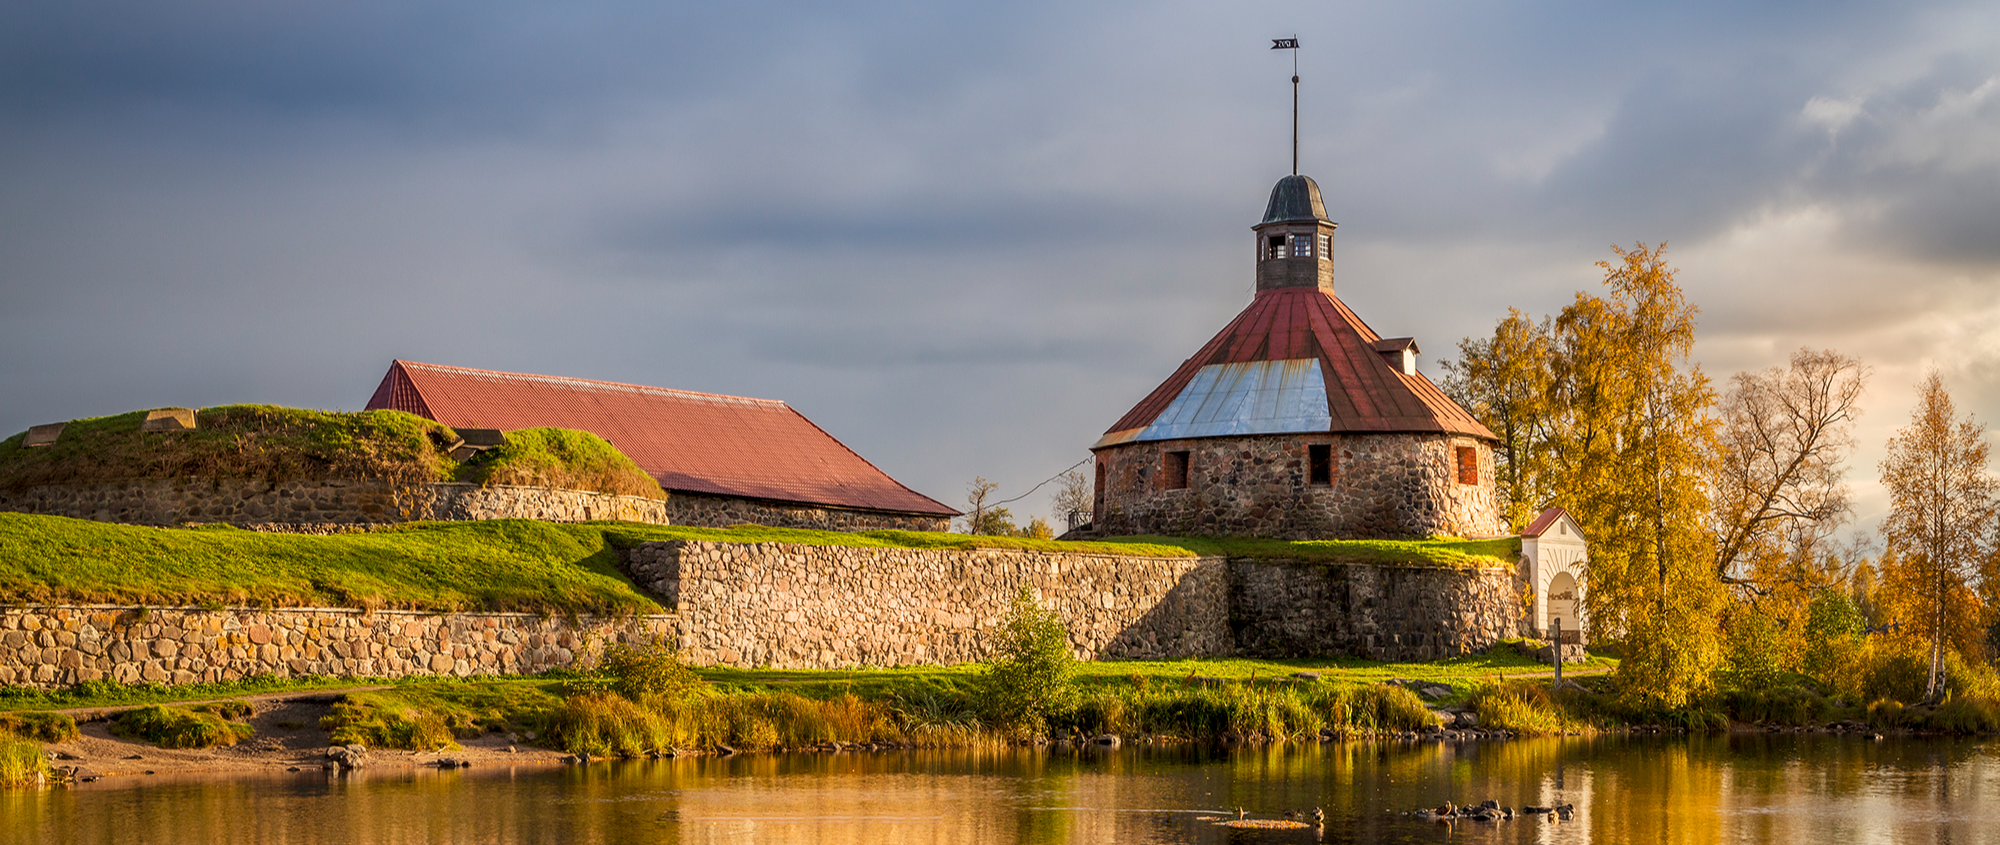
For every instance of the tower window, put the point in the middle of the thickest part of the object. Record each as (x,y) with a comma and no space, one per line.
(1468,465)
(1274,246)
(1302,246)
(1097,499)
(1325,245)
(1174,470)
(1319,464)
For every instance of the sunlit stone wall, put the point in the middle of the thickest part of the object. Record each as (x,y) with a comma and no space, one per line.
(309,505)
(1394,486)
(44,646)
(793,606)
(723,511)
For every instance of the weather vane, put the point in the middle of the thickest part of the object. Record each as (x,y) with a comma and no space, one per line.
(1292,44)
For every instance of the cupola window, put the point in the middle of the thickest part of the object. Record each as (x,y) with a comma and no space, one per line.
(1274,247)
(1302,246)
(1325,245)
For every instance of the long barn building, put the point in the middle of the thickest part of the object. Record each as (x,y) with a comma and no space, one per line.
(723,460)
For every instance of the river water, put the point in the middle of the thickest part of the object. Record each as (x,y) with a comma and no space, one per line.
(1817,790)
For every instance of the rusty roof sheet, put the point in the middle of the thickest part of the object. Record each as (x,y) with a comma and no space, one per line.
(1364,391)
(688,441)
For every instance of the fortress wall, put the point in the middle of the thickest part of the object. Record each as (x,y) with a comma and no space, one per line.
(808,607)
(45,646)
(723,511)
(1391,486)
(794,606)
(824,607)
(321,505)
(1402,613)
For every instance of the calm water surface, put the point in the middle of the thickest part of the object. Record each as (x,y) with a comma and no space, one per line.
(1817,790)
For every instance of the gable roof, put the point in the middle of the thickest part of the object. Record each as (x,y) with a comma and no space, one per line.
(688,441)
(1362,390)
(1547,519)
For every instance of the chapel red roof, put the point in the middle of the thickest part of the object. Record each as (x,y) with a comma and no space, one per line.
(694,442)
(1544,521)
(1365,392)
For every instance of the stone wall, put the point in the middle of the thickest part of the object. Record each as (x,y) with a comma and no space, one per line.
(723,511)
(1398,613)
(59,645)
(1397,486)
(827,607)
(311,505)
(793,606)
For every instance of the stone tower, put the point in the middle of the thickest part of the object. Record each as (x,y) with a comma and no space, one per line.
(1297,420)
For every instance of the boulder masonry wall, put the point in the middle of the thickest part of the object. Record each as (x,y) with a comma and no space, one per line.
(49,646)
(296,505)
(796,606)
(1280,608)
(825,607)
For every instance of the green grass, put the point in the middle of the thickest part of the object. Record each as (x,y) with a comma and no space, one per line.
(278,444)
(430,715)
(504,564)
(561,458)
(40,727)
(237,441)
(200,726)
(107,693)
(1440,552)
(489,565)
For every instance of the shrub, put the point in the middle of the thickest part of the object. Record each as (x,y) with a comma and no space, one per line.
(648,671)
(1758,649)
(1028,678)
(21,762)
(1833,630)
(1783,705)
(179,727)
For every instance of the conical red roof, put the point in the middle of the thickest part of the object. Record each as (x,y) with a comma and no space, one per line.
(693,442)
(1307,330)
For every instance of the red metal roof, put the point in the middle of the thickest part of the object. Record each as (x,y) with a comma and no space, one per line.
(1364,391)
(1545,521)
(695,442)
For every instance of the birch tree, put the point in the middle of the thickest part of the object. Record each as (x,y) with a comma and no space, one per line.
(1941,500)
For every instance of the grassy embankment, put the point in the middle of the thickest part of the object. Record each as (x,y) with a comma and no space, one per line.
(491,565)
(275,444)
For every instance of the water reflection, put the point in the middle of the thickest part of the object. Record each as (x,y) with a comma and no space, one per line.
(1626,790)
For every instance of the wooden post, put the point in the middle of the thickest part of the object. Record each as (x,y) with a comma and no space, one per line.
(1556,651)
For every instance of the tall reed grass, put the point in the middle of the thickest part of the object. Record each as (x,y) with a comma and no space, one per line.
(21,762)
(607,724)
(1532,708)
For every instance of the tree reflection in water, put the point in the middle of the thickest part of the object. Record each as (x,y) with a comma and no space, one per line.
(1740,788)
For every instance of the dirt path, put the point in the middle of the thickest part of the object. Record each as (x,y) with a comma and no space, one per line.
(288,738)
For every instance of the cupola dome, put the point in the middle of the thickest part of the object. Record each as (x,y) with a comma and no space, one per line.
(1295,197)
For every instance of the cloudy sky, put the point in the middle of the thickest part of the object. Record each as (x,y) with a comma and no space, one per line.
(964,238)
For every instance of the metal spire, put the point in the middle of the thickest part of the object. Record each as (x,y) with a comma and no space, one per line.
(1292,44)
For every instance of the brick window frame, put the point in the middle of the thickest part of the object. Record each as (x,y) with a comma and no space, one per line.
(1174,470)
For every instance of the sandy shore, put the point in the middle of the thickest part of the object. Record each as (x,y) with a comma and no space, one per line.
(288,738)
